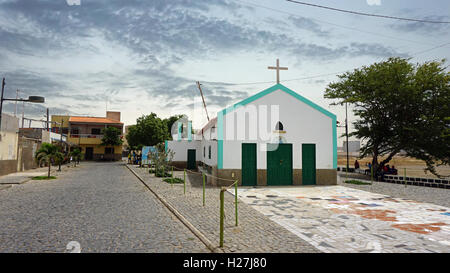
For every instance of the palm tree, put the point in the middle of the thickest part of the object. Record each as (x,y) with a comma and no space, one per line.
(76,155)
(48,153)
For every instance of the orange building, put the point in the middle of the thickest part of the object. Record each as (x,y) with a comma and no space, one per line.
(86,132)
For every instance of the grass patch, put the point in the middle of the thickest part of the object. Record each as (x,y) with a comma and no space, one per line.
(43,177)
(174,180)
(356,182)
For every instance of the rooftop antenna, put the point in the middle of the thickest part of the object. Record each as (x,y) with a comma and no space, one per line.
(201,93)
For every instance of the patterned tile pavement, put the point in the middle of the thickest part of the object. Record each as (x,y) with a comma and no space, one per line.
(343,219)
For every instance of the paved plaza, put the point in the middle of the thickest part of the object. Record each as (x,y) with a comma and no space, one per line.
(345,219)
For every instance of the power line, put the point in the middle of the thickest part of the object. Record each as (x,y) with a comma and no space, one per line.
(336,25)
(426,50)
(315,76)
(369,14)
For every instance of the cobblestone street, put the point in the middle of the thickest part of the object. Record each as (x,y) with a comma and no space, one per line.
(102,206)
(255,232)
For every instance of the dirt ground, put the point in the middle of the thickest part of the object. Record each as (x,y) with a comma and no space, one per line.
(414,167)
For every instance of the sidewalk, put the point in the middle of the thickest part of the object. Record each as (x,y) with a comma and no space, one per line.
(255,232)
(16,178)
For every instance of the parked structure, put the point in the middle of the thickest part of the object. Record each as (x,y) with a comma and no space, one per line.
(275,137)
(86,133)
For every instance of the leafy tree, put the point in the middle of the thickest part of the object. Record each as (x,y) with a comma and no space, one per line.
(48,153)
(150,130)
(400,106)
(111,137)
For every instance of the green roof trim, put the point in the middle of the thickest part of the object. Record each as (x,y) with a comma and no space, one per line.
(262,94)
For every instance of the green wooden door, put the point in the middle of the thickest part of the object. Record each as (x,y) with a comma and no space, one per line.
(191,164)
(248,164)
(308,164)
(279,164)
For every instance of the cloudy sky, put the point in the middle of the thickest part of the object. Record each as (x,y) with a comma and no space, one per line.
(139,57)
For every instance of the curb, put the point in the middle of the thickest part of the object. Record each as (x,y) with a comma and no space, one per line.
(190,226)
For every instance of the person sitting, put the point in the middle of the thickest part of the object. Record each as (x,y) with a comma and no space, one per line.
(393,171)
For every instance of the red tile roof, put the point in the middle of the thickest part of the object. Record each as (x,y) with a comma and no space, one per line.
(94,120)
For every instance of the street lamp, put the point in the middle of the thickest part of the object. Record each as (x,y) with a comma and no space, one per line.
(33,99)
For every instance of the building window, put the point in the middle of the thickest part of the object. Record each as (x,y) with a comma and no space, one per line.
(96,131)
(279,126)
(209,152)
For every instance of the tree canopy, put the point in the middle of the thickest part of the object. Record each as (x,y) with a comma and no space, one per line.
(400,106)
(150,130)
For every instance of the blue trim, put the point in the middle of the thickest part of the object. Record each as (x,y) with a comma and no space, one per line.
(189,130)
(220,140)
(260,95)
(334,129)
(179,130)
(166,145)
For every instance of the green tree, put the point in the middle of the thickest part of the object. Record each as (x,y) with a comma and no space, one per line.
(400,106)
(161,159)
(48,153)
(111,137)
(150,130)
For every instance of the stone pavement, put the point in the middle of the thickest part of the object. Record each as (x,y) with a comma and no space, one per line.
(102,206)
(344,219)
(255,233)
(22,177)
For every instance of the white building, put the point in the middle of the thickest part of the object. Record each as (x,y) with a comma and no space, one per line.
(275,137)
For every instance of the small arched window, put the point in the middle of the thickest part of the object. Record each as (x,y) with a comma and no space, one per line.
(279,126)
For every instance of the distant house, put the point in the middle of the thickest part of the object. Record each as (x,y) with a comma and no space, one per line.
(87,133)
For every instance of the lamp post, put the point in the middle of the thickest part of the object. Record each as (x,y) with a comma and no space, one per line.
(34,99)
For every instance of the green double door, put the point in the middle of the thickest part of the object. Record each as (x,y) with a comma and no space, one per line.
(308,164)
(279,164)
(191,163)
(248,162)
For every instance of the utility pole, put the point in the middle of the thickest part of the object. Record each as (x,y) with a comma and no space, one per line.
(1,102)
(60,140)
(201,93)
(346,132)
(48,128)
(15,103)
(23,112)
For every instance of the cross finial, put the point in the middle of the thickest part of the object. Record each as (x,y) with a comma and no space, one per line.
(278,68)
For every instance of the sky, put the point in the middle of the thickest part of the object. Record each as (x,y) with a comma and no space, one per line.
(138,57)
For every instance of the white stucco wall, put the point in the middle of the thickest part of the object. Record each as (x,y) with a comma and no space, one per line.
(302,123)
(205,159)
(180,148)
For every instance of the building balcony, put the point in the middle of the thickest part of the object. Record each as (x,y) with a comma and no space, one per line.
(85,139)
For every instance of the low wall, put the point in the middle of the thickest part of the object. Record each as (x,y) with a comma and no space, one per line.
(8,166)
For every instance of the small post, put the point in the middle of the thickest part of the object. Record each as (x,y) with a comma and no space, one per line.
(236,200)
(203,189)
(184,181)
(371,175)
(171,179)
(404,176)
(221,215)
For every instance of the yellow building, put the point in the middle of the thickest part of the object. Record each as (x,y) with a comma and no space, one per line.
(86,133)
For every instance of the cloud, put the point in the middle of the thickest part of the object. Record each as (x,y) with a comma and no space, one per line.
(153,36)
(308,24)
